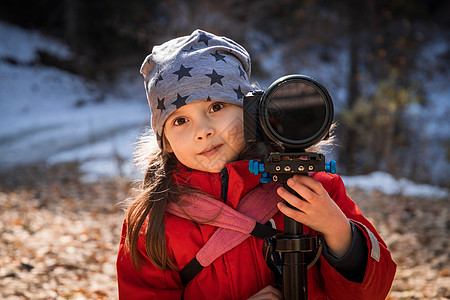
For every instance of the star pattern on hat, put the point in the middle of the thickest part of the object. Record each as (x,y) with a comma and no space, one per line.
(218,56)
(181,101)
(182,72)
(158,78)
(204,38)
(189,62)
(215,78)
(161,104)
(241,71)
(239,93)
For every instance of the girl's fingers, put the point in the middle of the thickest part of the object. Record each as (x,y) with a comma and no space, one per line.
(302,189)
(292,199)
(297,215)
(269,292)
(309,182)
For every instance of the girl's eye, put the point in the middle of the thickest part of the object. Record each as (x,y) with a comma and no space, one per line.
(216,107)
(179,121)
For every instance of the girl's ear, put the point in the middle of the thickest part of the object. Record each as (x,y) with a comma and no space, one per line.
(168,147)
(166,144)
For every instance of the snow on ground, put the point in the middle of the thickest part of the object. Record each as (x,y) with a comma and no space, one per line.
(22,45)
(48,115)
(387,184)
(51,116)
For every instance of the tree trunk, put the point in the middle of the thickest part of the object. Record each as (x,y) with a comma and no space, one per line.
(348,153)
(71,23)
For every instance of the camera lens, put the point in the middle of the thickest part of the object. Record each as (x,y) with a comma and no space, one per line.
(296,111)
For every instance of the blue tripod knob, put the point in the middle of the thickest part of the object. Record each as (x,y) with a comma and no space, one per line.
(330,167)
(255,167)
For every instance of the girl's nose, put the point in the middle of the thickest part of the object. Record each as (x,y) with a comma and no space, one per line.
(204,132)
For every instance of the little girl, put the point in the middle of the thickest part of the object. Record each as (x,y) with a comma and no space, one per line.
(174,247)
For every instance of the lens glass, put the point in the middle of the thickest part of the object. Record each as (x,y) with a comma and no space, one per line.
(296,111)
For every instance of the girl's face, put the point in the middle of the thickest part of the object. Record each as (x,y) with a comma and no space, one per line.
(206,135)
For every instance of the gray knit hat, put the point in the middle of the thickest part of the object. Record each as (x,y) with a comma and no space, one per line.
(199,67)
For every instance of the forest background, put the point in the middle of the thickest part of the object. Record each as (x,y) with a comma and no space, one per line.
(373,56)
(385,63)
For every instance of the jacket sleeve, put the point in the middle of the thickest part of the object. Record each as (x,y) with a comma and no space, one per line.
(352,265)
(380,269)
(147,283)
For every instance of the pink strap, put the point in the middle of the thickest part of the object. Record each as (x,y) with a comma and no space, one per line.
(259,205)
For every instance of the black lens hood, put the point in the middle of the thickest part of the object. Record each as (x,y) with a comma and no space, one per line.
(287,142)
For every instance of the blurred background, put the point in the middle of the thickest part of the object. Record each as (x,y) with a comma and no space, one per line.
(72,105)
(385,63)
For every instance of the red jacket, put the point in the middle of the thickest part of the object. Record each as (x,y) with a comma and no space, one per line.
(242,271)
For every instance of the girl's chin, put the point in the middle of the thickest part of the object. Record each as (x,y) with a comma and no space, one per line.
(212,168)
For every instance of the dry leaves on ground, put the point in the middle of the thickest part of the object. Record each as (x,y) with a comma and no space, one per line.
(59,237)
(417,232)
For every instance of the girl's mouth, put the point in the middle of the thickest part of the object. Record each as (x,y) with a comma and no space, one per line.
(211,150)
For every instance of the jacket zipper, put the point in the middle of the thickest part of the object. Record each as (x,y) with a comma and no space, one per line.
(224,184)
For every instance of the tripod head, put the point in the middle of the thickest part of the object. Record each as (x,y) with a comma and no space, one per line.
(295,112)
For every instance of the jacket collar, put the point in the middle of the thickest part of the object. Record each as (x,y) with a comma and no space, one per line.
(240,181)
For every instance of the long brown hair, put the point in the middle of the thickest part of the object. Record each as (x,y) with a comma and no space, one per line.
(145,211)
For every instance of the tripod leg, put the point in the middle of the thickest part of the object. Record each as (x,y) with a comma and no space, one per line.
(295,284)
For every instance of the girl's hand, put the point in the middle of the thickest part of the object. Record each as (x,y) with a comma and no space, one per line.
(317,211)
(267,293)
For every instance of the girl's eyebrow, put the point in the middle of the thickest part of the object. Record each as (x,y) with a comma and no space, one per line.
(175,114)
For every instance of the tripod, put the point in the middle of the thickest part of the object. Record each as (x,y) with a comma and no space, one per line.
(294,246)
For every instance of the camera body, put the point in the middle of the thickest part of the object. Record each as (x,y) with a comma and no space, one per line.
(295,112)
(253,131)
